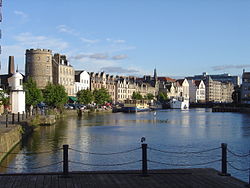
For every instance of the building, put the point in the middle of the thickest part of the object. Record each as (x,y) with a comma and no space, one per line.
(218,92)
(183,88)
(125,87)
(103,80)
(82,80)
(227,89)
(11,70)
(17,94)
(197,91)
(38,66)
(111,86)
(217,77)
(63,73)
(245,88)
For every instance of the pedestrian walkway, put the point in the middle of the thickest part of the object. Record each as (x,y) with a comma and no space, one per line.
(203,177)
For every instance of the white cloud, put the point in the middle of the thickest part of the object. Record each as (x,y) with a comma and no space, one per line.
(120,57)
(116,41)
(89,40)
(119,70)
(28,40)
(66,29)
(226,67)
(23,16)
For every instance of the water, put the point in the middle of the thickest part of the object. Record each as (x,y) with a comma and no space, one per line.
(168,130)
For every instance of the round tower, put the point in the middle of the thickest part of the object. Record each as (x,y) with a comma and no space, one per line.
(38,66)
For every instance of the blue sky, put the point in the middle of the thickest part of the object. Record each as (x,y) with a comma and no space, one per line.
(178,37)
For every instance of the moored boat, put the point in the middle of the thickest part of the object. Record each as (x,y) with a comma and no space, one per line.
(135,106)
(179,103)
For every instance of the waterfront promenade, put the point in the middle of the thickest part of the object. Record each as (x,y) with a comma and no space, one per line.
(133,179)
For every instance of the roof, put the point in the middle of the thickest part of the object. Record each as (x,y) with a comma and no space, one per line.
(167,79)
(180,81)
(197,82)
(246,75)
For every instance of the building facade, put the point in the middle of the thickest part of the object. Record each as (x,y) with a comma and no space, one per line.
(82,81)
(217,77)
(64,73)
(197,91)
(245,88)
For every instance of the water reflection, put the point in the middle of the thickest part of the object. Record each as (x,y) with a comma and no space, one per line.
(194,129)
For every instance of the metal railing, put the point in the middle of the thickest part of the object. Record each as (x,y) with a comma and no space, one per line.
(144,159)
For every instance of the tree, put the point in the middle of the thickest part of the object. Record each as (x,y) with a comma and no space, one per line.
(136,96)
(162,97)
(33,95)
(149,96)
(101,96)
(85,96)
(55,95)
(4,99)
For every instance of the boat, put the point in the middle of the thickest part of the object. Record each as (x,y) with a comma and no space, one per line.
(179,103)
(135,106)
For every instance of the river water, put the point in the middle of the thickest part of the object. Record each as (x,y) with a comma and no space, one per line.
(165,131)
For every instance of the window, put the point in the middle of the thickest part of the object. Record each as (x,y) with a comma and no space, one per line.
(21,82)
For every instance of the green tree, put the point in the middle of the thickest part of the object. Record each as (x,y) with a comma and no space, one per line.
(149,96)
(162,97)
(33,95)
(101,96)
(137,96)
(85,96)
(4,99)
(55,95)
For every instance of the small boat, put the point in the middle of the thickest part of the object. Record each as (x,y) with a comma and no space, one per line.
(179,103)
(135,106)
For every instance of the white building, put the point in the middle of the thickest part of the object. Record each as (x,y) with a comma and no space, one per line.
(197,91)
(82,81)
(183,88)
(17,94)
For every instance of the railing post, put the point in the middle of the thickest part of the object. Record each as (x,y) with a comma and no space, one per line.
(7,121)
(65,160)
(23,116)
(249,170)
(144,160)
(13,118)
(224,160)
(18,117)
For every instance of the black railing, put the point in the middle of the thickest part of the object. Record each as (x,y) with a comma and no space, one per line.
(144,159)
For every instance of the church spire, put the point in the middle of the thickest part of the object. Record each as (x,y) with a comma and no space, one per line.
(155,74)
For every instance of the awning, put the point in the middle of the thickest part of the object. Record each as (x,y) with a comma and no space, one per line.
(73,99)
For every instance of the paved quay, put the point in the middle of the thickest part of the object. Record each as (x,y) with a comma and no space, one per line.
(174,178)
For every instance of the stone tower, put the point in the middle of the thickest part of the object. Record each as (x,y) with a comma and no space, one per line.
(38,66)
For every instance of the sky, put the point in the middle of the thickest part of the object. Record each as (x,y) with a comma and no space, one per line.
(177,37)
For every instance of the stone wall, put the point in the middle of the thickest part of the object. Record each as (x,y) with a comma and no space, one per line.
(9,139)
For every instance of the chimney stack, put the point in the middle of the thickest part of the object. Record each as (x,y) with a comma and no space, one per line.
(11,65)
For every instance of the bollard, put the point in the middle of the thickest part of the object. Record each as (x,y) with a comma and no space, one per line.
(224,160)
(7,121)
(23,116)
(18,117)
(13,118)
(65,160)
(144,160)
